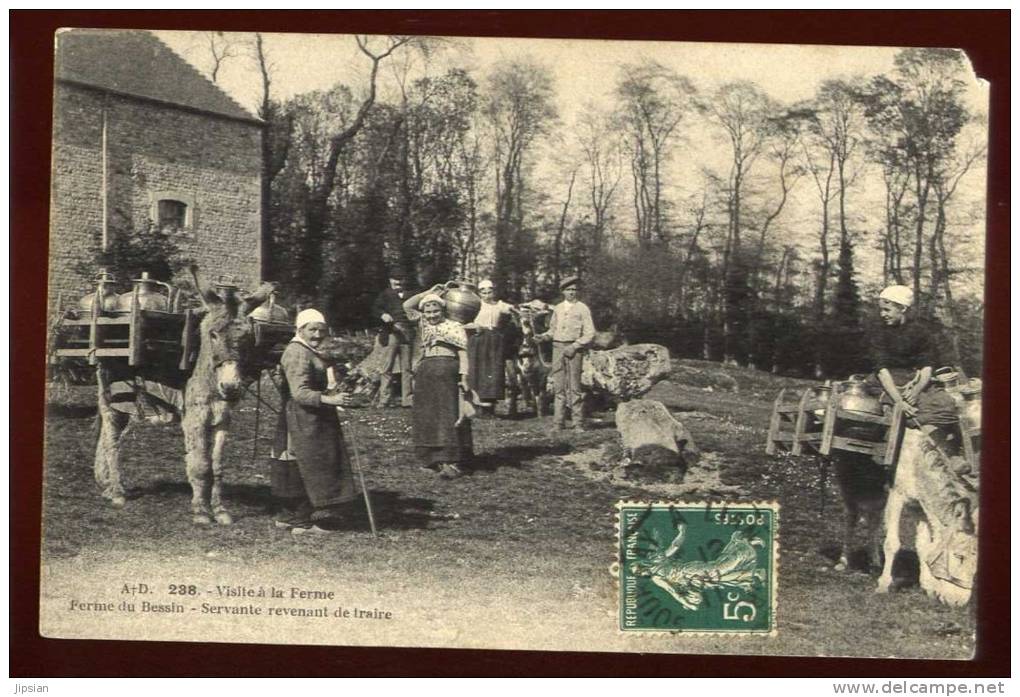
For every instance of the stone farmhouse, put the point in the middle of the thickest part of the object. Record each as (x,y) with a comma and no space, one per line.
(140,137)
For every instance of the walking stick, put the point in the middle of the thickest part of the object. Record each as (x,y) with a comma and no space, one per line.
(258,408)
(356,462)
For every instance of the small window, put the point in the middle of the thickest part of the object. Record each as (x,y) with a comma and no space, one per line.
(171,214)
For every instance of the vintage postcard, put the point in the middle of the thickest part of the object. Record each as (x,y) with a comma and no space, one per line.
(567,345)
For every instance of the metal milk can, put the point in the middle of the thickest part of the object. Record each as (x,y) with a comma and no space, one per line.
(149,296)
(269,311)
(105,292)
(857,397)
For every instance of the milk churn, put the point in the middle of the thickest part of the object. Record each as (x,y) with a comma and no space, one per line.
(269,311)
(820,396)
(947,377)
(968,403)
(226,286)
(462,301)
(105,292)
(149,296)
(857,397)
(970,417)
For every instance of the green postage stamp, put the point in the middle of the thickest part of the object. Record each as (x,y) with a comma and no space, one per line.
(698,567)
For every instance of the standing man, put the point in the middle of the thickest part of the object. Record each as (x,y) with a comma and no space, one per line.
(486,348)
(571,330)
(398,336)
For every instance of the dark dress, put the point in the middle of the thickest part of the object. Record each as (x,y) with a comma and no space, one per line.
(437,437)
(488,371)
(309,432)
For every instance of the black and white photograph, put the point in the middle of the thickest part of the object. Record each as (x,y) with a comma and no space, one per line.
(364,340)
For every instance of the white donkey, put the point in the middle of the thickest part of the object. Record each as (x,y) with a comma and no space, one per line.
(946,540)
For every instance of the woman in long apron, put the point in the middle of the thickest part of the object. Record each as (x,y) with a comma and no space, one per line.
(442,438)
(310,470)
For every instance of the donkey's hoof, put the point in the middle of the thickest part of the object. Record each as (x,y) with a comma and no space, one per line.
(223,518)
(841,565)
(883,587)
(118,501)
(201,519)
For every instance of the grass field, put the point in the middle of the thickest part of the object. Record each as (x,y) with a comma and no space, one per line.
(515,554)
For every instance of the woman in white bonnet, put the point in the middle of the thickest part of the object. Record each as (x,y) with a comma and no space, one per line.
(904,350)
(487,347)
(310,470)
(442,440)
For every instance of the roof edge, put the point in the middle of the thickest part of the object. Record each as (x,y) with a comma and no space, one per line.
(253,120)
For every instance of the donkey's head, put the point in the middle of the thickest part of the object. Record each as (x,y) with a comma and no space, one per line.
(227,339)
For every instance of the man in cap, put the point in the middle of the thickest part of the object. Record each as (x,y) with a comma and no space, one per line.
(486,347)
(571,330)
(398,336)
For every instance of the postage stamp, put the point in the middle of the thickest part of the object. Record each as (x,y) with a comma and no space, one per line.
(698,567)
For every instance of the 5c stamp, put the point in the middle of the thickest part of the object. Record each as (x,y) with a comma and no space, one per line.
(698,567)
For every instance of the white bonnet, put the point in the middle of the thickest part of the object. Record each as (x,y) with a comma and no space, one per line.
(431,298)
(901,295)
(308,316)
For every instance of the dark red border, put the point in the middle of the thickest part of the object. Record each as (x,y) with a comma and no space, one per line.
(985,36)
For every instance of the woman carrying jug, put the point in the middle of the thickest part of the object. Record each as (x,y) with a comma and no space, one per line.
(442,438)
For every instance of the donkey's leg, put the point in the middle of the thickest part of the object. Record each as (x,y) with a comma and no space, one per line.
(851,515)
(512,388)
(924,543)
(197,463)
(893,513)
(112,425)
(218,509)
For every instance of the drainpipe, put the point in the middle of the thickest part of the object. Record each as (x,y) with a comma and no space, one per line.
(105,240)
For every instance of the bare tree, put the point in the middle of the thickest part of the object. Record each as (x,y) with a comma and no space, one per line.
(653,101)
(743,112)
(942,271)
(603,169)
(322,186)
(219,47)
(916,118)
(276,138)
(520,110)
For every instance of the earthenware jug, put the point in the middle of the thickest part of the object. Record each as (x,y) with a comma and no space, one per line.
(462,301)
(105,291)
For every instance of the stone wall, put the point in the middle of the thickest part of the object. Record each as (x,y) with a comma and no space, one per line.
(154,151)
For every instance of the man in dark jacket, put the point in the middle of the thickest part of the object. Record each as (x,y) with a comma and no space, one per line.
(398,334)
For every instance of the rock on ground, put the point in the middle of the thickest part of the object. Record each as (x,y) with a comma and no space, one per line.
(652,436)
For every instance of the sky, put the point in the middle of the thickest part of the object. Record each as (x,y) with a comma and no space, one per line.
(584,72)
(583,69)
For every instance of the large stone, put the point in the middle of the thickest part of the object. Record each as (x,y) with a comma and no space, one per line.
(626,372)
(652,437)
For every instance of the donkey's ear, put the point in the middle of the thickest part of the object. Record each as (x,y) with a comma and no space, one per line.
(250,302)
(205,291)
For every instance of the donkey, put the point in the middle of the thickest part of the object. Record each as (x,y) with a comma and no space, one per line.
(223,364)
(527,369)
(946,537)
